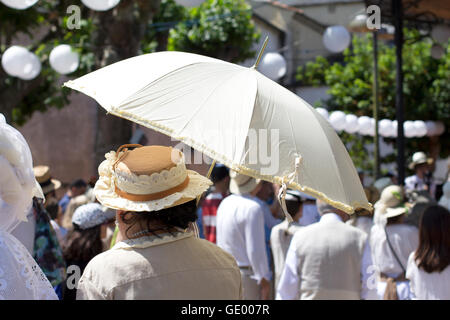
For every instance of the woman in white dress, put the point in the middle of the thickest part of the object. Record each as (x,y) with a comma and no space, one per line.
(429,266)
(20,276)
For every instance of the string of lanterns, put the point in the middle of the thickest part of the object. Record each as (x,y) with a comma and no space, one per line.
(386,128)
(97,5)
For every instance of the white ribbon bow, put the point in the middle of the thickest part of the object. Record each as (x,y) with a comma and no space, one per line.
(282,193)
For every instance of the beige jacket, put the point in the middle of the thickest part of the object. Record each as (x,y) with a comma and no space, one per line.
(177,267)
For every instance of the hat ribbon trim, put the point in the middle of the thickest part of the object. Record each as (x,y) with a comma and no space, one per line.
(152,196)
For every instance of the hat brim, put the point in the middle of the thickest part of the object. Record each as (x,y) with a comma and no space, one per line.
(247,187)
(413,164)
(106,195)
(53,186)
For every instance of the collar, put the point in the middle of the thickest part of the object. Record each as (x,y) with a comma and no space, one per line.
(330,217)
(150,241)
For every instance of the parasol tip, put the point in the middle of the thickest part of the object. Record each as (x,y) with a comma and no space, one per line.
(258,59)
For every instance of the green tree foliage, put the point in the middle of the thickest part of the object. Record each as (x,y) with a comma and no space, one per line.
(217,28)
(426,88)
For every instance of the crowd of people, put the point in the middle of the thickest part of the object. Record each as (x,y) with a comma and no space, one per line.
(132,234)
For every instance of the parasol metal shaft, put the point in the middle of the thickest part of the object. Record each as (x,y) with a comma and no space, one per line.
(261,52)
(207,175)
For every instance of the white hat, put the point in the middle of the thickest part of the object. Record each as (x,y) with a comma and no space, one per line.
(419,158)
(242,184)
(294,195)
(393,212)
(91,215)
(148,178)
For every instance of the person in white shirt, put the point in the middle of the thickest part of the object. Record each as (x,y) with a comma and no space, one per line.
(327,260)
(391,246)
(281,235)
(429,265)
(422,178)
(240,232)
(310,214)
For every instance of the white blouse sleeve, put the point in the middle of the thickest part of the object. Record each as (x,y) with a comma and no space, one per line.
(289,284)
(256,244)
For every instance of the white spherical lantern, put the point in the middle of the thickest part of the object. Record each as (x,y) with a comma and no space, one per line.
(337,120)
(385,127)
(351,123)
(63,60)
(440,33)
(31,68)
(13,60)
(189,3)
(323,112)
(409,129)
(2,119)
(273,65)
(437,51)
(420,128)
(440,128)
(100,5)
(19,4)
(371,130)
(431,128)
(363,124)
(336,38)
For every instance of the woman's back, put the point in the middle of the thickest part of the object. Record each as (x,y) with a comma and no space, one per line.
(170,267)
(428,286)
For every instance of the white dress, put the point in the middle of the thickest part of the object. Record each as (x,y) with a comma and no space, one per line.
(428,286)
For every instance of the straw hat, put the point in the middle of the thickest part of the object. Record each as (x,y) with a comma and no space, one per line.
(394,212)
(242,184)
(391,197)
(419,158)
(45,180)
(147,178)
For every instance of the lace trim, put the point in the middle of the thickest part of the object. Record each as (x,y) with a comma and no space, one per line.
(150,241)
(32,276)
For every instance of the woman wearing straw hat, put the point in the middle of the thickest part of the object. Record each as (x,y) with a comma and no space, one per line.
(155,257)
(391,243)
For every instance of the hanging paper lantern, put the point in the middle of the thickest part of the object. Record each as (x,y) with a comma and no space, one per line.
(385,127)
(273,65)
(440,33)
(323,112)
(336,38)
(393,133)
(409,129)
(189,3)
(100,5)
(63,60)
(371,130)
(351,123)
(2,118)
(431,128)
(440,128)
(31,68)
(19,4)
(437,51)
(337,120)
(13,60)
(363,124)
(420,128)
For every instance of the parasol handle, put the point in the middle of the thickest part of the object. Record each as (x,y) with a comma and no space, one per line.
(261,52)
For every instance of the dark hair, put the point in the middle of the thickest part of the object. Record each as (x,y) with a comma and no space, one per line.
(178,216)
(219,173)
(80,183)
(292,207)
(395,220)
(52,208)
(433,253)
(82,245)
